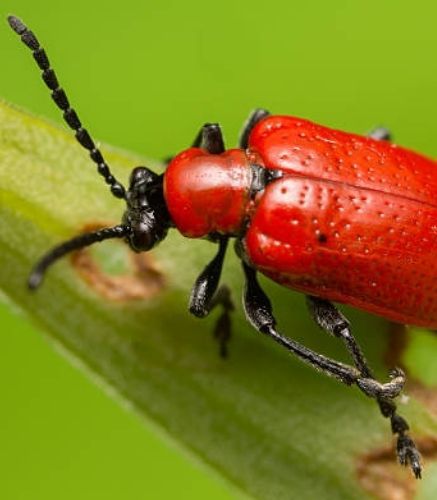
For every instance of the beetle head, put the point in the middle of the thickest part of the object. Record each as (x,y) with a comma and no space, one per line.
(146,215)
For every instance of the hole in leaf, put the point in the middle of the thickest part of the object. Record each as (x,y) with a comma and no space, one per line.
(115,272)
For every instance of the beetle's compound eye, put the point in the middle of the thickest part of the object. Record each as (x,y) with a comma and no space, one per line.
(146,233)
(142,236)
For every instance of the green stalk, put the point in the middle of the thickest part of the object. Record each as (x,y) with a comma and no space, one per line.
(267,424)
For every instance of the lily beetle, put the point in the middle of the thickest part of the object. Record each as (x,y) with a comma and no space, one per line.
(337,216)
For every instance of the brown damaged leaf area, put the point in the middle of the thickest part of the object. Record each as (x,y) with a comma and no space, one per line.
(380,475)
(143,280)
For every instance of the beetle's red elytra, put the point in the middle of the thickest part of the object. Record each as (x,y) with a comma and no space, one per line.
(337,216)
(374,202)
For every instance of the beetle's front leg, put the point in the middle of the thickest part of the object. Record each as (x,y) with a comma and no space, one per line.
(258,311)
(205,297)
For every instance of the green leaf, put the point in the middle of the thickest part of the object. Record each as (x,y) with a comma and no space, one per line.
(270,426)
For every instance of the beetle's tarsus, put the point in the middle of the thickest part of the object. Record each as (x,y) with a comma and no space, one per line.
(375,389)
(408,455)
(406,449)
(332,321)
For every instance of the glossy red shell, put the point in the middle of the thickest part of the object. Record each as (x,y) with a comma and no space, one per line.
(353,219)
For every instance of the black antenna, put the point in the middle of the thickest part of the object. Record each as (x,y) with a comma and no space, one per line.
(81,241)
(61,100)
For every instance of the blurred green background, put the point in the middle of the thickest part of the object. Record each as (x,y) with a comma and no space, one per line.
(144,76)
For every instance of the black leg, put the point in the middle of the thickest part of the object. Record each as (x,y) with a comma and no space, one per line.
(256,116)
(61,100)
(332,321)
(81,241)
(205,297)
(206,284)
(210,137)
(380,134)
(259,312)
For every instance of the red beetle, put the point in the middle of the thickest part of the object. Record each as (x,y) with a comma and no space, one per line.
(337,216)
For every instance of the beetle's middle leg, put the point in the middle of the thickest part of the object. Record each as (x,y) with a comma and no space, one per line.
(205,296)
(258,311)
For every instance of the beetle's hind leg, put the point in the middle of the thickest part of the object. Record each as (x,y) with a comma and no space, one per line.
(206,296)
(332,321)
(258,311)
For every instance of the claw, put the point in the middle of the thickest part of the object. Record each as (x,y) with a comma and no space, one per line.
(396,373)
(409,455)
